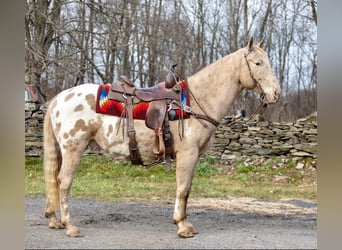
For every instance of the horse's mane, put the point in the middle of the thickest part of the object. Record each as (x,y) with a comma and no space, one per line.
(218,61)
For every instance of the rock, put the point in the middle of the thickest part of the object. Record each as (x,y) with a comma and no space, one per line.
(31,106)
(312,131)
(221,141)
(232,136)
(310,148)
(263,124)
(301,154)
(246,140)
(254,128)
(266,132)
(263,151)
(282,149)
(28,114)
(228,157)
(300,165)
(293,140)
(234,145)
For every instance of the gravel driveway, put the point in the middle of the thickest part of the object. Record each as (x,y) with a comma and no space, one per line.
(232,223)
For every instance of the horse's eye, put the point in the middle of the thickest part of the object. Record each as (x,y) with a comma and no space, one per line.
(258,63)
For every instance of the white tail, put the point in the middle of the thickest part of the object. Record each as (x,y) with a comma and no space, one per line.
(52,164)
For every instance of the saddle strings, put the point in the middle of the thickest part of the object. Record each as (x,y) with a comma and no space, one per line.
(176,77)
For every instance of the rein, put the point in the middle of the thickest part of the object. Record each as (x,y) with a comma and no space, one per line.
(200,116)
(188,109)
(259,109)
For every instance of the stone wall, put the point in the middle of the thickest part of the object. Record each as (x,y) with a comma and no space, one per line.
(258,139)
(255,140)
(34,120)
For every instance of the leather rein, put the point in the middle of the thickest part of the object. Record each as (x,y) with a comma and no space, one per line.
(188,109)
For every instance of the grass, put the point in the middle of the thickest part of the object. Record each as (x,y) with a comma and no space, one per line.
(100,178)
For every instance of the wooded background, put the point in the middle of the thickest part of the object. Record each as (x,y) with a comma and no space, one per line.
(69,43)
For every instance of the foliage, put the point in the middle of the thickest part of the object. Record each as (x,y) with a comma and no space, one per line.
(102,178)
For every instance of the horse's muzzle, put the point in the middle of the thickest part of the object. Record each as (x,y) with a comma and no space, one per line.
(272,96)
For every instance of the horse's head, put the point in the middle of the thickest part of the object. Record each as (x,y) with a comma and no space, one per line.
(257,74)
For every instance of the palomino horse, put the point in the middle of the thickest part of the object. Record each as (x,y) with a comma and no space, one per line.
(71,122)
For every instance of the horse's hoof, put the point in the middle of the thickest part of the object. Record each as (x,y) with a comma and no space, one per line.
(186,235)
(73,232)
(187,232)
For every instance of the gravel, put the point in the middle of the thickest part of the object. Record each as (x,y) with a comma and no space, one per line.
(231,223)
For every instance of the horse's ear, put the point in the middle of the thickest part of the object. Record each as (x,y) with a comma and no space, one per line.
(261,43)
(250,44)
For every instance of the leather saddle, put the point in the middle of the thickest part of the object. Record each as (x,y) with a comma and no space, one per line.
(126,88)
(158,97)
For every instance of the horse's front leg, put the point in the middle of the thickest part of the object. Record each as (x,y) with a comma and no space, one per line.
(186,162)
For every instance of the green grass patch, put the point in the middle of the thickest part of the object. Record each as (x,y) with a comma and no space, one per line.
(99,177)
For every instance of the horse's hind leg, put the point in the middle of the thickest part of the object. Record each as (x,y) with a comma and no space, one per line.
(68,170)
(186,162)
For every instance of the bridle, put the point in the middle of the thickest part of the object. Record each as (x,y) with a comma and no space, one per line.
(255,82)
(261,107)
(263,104)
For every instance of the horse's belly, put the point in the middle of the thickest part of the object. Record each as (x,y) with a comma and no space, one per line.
(113,139)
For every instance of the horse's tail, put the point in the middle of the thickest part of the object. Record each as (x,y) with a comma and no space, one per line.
(52,164)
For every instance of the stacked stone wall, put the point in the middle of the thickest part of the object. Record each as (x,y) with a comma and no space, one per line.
(259,140)
(254,140)
(34,121)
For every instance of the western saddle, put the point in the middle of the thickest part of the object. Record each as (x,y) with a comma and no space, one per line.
(158,97)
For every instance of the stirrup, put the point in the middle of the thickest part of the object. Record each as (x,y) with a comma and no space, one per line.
(159,146)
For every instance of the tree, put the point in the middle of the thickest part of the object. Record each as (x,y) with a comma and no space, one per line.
(41,19)
(74,42)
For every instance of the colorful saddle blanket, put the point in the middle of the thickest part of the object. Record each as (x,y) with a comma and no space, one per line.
(116,108)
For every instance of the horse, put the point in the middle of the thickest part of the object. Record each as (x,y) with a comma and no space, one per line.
(71,123)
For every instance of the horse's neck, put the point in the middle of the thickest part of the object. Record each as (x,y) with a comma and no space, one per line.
(216,86)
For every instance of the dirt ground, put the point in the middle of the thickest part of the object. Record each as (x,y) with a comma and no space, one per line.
(231,223)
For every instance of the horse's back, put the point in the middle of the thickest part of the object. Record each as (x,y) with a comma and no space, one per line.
(74,100)
(75,121)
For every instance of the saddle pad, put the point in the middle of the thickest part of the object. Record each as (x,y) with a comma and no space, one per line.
(116,108)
